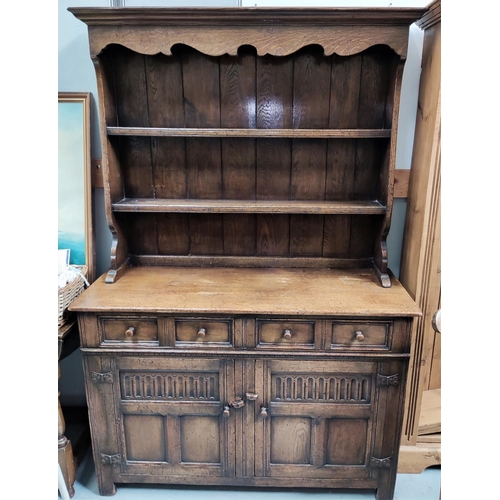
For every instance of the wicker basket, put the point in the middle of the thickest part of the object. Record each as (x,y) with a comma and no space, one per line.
(70,292)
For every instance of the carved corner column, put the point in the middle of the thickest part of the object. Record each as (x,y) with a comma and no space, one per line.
(421,256)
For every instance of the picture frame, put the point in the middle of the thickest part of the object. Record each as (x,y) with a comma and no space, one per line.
(75,228)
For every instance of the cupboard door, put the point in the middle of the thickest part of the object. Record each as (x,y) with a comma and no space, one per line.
(172,418)
(316,420)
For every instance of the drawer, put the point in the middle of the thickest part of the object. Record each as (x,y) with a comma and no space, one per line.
(285,333)
(129,330)
(361,335)
(204,332)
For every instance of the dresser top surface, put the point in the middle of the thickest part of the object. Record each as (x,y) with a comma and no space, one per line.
(257,291)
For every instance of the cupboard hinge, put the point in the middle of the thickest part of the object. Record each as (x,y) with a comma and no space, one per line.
(101,378)
(388,380)
(111,459)
(381,462)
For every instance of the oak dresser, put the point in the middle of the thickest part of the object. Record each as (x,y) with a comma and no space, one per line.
(248,331)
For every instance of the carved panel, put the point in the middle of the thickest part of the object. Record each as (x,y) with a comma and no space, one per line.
(328,388)
(170,386)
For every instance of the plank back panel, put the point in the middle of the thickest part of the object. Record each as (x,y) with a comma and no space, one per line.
(204,171)
(274,110)
(311,89)
(304,90)
(166,109)
(238,110)
(341,155)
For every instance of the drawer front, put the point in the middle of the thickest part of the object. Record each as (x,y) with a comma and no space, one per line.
(204,332)
(286,333)
(360,335)
(129,330)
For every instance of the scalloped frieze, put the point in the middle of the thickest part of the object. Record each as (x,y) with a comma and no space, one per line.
(274,40)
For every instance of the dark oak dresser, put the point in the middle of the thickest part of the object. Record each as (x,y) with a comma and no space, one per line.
(248,331)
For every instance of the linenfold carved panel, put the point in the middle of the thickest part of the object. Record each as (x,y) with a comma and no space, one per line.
(169,386)
(328,388)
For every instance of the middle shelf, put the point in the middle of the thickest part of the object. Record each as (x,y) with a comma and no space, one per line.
(248,206)
(251,132)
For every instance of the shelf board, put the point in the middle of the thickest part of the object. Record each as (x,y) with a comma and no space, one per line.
(251,132)
(248,206)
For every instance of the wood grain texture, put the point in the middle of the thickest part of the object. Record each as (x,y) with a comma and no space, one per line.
(311,88)
(341,154)
(420,263)
(249,175)
(239,261)
(416,458)
(242,16)
(276,40)
(238,109)
(274,110)
(401,179)
(312,133)
(429,421)
(166,108)
(203,166)
(113,185)
(242,206)
(240,291)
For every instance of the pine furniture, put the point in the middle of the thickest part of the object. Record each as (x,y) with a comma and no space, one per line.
(421,256)
(248,331)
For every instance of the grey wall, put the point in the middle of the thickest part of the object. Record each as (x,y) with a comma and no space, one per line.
(76,74)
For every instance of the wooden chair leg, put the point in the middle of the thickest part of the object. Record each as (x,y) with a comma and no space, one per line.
(65,452)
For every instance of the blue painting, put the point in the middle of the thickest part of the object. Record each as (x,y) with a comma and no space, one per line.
(72,159)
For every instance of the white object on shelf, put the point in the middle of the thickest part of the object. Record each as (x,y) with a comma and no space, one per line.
(62,259)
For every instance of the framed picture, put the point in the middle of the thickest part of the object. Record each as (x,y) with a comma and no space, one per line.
(75,228)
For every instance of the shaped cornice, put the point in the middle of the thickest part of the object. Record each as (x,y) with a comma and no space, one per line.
(278,32)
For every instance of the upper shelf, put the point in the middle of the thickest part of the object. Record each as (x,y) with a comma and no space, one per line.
(250,132)
(249,206)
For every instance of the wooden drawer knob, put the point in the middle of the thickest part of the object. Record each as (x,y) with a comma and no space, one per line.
(287,334)
(263,412)
(202,332)
(225,412)
(129,332)
(359,336)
